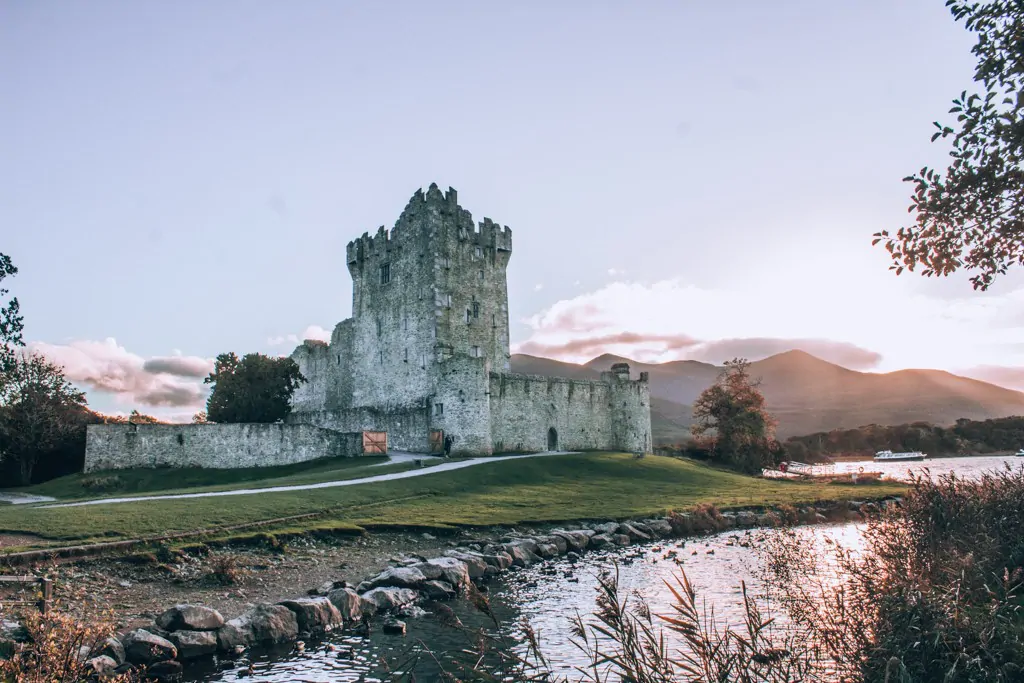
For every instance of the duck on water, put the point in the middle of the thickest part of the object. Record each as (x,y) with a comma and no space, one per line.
(909,455)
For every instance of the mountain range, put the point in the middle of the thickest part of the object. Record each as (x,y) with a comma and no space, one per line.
(805,393)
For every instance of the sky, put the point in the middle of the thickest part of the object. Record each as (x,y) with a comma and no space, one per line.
(682,179)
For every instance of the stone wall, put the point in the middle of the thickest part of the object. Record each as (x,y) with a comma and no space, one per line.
(408,428)
(216,446)
(524,408)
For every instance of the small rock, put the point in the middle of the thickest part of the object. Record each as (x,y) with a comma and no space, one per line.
(412,612)
(165,671)
(349,604)
(101,666)
(394,626)
(143,647)
(428,537)
(390,599)
(192,644)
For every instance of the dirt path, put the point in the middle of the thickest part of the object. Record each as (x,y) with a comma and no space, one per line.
(443,467)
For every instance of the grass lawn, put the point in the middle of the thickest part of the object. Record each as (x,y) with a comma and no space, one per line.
(194,479)
(553,488)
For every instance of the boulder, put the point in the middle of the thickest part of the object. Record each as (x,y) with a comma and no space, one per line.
(190,618)
(143,647)
(326,587)
(659,527)
(313,614)
(350,605)
(390,599)
(561,545)
(608,528)
(600,541)
(164,671)
(633,532)
(453,570)
(113,648)
(400,577)
(475,565)
(263,624)
(439,590)
(192,644)
(574,540)
(101,667)
(521,554)
(621,539)
(547,550)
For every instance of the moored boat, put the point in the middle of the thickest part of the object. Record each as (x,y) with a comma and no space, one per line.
(886,456)
(1020,453)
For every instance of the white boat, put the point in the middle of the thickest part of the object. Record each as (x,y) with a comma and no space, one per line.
(1020,453)
(886,456)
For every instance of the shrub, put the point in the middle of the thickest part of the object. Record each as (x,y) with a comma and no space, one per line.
(225,570)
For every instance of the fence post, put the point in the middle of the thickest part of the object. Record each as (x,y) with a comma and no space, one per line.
(44,604)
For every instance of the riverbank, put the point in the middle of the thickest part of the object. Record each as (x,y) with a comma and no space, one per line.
(390,573)
(558,488)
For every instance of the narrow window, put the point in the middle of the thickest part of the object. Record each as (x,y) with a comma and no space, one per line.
(480,275)
(382,356)
(494,320)
(385,273)
(448,300)
(379,327)
(474,351)
(438,409)
(407,355)
(476,309)
(469,316)
(479,252)
(446,262)
(339,359)
(405,323)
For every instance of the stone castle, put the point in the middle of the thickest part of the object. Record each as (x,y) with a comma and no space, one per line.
(426,351)
(425,355)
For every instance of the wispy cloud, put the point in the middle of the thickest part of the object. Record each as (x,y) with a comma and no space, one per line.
(106,367)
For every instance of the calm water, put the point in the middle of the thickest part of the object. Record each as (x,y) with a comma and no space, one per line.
(549,595)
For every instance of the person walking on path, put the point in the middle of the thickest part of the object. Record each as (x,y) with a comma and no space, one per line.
(448,445)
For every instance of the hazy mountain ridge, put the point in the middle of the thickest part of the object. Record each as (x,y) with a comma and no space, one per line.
(805,393)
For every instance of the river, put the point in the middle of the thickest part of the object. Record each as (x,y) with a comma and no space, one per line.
(548,595)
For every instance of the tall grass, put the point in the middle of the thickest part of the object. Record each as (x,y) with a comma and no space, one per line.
(935,593)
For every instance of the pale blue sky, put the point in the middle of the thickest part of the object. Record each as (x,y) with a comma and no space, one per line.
(183,177)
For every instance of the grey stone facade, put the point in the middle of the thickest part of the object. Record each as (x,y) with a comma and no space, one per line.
(219,446)
(427,350)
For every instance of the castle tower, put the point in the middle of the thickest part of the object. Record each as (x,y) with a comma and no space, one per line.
(431,289)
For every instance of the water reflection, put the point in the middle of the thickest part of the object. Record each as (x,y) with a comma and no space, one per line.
(548,596)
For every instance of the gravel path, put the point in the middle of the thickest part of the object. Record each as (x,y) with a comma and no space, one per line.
(396,457)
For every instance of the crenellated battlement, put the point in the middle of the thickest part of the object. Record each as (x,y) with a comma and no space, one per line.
(424,218)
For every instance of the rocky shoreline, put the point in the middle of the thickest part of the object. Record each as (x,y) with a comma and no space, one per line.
(189,632)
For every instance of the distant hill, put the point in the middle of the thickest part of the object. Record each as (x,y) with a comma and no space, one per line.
(805,393)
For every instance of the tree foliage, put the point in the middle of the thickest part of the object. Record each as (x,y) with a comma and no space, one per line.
(39,412)
(11,320)
(972,216)
(733,408)
(255,388)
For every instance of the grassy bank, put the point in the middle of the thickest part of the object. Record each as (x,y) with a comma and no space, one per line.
(555,488)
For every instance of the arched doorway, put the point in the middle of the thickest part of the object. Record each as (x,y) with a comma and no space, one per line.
(552,439)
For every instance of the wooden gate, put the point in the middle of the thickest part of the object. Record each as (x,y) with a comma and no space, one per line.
(436,441)
(375,443)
